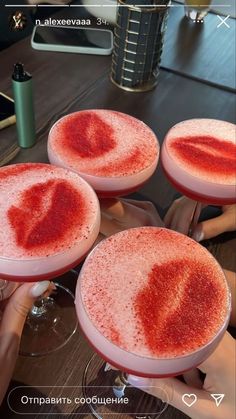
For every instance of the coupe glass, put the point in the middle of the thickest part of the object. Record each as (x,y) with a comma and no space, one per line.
(206,170)
(97,373)
(91,155)
(47,327)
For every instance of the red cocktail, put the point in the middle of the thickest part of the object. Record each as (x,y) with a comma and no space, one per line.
(151,302)
(199,158)
(114,152)
(50,219)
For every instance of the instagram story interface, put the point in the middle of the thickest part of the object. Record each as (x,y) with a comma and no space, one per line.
(117,209)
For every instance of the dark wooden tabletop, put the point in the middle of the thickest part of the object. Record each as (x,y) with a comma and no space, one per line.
(204,51)
(65,83)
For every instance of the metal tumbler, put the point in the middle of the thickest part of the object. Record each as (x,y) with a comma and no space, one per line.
(138,44)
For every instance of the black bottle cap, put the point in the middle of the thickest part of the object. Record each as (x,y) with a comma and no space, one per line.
(19,73)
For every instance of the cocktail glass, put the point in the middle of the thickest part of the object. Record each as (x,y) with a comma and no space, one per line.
(198,157)
(133,267)
(46,328)
(115,163)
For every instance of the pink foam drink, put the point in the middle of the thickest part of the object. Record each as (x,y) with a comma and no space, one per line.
(114,152)
(152,302)
(49,220)
(199,158)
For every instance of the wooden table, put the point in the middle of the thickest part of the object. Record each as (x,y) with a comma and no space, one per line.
(65,83)
(204,51)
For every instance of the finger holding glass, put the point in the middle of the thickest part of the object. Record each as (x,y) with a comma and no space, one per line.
(178,218)
(120,214)
(152,303)
(219,369)
(199,158)
(14,309)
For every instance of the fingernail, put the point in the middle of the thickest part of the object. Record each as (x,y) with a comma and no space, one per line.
(39,288)
(139,382)
(107,367)
(52,286)
(198,235)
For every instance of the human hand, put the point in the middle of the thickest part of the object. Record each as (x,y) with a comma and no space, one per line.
(121,214)
(220,378)
(13,313)
(179,218)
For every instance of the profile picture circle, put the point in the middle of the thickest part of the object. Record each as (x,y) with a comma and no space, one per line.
(17,21)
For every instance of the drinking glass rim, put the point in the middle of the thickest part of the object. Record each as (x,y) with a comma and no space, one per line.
(166,148)
(97,213)
(221,328)
(81,173)
(49,257)
(110,177)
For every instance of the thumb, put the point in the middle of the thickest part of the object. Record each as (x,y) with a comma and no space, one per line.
(187,399)
(18,306)
(211,228)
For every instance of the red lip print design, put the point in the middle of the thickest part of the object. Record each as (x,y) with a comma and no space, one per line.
(46,214)
(131,162)
(88,135)
(18,169)
(207,154)
(178,305)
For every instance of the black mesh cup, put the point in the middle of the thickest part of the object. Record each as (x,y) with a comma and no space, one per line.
(138,44)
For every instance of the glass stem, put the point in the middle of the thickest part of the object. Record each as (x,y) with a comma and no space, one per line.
(39,308)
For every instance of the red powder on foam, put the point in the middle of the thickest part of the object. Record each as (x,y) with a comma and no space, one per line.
(18,169)
(46,214)
(191,320)
(87,135)
(207,153)
(132,162)
(115,335)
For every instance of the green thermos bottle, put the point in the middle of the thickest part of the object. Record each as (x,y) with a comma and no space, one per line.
(24,107)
